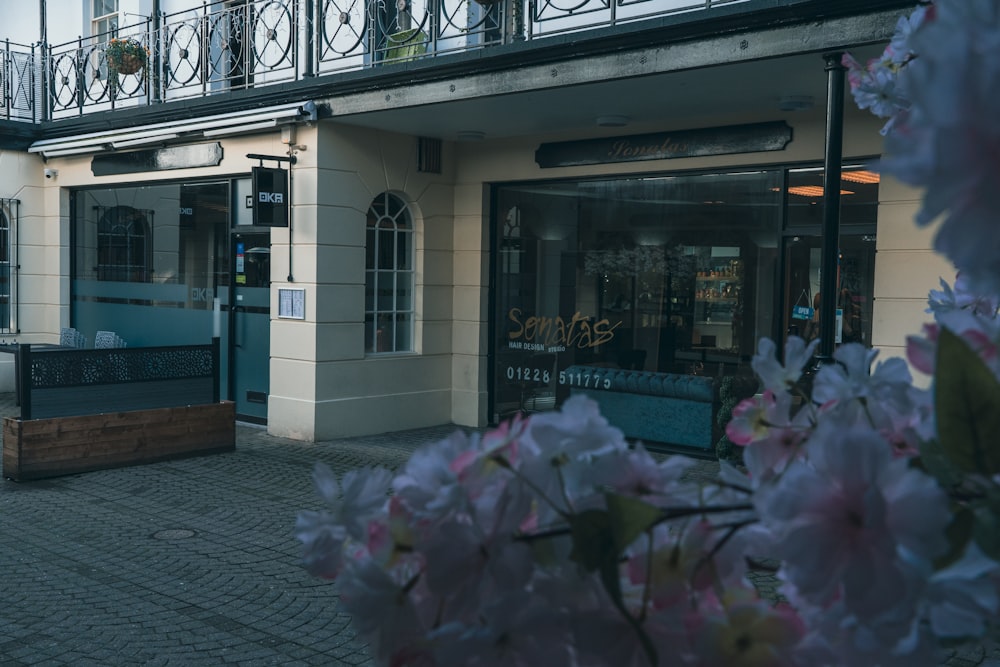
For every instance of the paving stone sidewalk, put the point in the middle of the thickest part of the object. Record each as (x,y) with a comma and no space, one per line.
(189,562)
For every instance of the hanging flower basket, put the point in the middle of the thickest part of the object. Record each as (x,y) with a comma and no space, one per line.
(126,56)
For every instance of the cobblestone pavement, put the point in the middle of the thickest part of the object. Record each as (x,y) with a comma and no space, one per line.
(188,562)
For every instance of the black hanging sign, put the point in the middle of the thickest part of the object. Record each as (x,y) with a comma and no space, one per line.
(771,136)
(270,197)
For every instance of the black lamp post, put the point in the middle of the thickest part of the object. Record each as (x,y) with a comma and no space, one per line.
(830,251)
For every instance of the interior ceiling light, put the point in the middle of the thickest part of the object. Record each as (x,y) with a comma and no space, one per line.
(811,191)
(796,102)
(612,120)
(470,135)
(862,176)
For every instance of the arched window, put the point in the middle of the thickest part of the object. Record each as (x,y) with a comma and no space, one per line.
(389,276)
(8,212)
(124,245)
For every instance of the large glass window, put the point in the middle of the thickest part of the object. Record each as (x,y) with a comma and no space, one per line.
(149,261)
(679,274)
(669,273)
(389,276)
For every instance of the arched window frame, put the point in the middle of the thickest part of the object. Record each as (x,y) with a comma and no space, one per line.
(8,264)
(390,258)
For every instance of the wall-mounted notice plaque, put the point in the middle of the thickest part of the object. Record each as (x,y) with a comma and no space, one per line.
(292,303)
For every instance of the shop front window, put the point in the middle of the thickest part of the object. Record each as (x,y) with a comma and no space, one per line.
(660,279)
(150,261)
(657,274)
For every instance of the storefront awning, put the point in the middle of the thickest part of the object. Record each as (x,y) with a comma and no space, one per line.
(242,122)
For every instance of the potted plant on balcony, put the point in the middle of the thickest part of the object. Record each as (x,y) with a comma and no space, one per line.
(125,56)
(408,44)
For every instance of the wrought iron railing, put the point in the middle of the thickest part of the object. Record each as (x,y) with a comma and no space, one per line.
(225,45)
(18,78)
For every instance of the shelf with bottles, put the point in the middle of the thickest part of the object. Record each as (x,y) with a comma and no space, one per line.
(720,283)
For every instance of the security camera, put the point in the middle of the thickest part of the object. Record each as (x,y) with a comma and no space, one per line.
(51,173)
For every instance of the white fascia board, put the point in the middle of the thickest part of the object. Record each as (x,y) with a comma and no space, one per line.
(139,142)
(234,129)
(73,151)
(96,140)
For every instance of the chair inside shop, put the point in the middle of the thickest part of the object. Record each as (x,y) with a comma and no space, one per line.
(70,337)
(108,340)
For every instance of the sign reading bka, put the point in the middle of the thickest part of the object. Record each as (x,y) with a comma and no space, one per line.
(270,197)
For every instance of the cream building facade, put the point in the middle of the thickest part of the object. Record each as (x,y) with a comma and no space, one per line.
(443,138)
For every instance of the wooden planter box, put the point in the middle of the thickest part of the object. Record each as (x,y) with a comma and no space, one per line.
(39,448)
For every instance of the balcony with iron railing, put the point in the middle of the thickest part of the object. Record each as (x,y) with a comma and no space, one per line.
(225,46)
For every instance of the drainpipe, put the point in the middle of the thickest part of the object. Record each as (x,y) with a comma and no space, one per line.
(830,252)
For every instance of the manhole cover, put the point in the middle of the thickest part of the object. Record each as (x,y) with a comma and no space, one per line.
(173,534)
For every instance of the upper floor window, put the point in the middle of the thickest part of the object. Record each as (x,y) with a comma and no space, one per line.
(389,302)
(105,17)
(124,244)
(8,218)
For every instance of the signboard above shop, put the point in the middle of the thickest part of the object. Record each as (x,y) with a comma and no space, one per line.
(752,138)
(270,196)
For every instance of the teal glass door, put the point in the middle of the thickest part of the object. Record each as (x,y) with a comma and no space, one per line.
(250,320)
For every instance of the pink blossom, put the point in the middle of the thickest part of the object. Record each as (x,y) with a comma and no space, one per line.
(921,351)
(949,143)
(382,609)
(744,631)
(774,375)
(847,521)
(750,419)
(771,434)
(514,629)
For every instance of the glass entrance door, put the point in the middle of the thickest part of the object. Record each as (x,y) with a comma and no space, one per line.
(250,325)
(855,287)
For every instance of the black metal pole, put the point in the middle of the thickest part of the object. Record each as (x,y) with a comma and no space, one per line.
(42,66)
(22,372)
(43,22)
(156,46)
(216,369)
(310,23)
(830,252)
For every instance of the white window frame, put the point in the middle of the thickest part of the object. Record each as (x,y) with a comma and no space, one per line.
(389,212)
(103,23)
(8,231)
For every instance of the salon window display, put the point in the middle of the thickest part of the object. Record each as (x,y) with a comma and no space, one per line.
(637,275)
